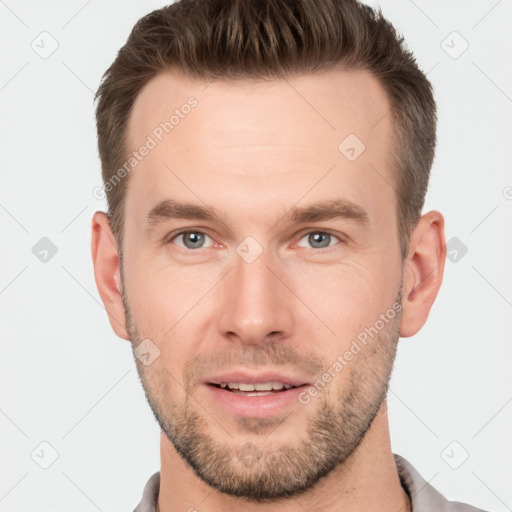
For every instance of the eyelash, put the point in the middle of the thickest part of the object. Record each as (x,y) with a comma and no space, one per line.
(171,238)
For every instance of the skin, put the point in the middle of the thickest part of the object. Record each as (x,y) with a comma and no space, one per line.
(254,150)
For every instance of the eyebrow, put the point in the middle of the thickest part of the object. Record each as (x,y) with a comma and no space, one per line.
(326,210)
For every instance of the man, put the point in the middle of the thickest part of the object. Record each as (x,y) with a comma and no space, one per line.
(265,165)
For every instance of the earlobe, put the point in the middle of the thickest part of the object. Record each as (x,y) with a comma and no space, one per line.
(423,272)
(107,272)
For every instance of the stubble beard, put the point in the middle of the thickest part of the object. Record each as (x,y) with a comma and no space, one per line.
(256,470)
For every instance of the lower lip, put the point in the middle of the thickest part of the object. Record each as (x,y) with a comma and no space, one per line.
(255,406)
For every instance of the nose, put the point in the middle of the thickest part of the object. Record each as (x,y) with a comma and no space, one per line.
(256,307)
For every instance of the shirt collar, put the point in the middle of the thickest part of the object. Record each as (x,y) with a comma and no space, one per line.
(423,496)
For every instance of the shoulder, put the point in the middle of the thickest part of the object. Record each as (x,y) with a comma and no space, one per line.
(424,497)
(149,495)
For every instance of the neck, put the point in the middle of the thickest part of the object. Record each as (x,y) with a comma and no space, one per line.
(367,480)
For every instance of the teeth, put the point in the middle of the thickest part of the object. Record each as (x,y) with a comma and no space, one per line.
(263,386)
(260,386)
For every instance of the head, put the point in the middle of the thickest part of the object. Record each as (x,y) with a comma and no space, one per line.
(265,165)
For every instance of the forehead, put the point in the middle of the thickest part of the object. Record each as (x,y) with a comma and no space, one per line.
(333,103)
(262,138)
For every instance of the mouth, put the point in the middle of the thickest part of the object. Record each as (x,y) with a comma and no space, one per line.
(257,388)
(250,395)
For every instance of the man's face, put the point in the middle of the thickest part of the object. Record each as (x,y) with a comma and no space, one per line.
(263,291)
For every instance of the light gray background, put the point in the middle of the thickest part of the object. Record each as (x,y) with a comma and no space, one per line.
(65,378)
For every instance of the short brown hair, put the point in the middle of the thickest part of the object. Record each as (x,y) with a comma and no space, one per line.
(247,39)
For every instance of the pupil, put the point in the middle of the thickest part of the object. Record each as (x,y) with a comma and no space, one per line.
(319,240)
(193,240)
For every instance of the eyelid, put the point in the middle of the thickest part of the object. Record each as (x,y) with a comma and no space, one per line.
(170,237)
(339,236)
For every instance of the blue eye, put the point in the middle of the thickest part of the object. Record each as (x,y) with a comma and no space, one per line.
(191,239)
(198,240)
(319,239)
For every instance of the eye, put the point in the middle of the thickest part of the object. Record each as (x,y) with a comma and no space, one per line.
(319,239)
(199,240)
(191,240)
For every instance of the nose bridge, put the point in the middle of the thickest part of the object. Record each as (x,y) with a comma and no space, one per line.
(255,303)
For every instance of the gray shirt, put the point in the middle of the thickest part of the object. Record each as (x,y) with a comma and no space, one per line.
(423,496)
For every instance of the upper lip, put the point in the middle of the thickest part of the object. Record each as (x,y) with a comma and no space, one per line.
(254,378)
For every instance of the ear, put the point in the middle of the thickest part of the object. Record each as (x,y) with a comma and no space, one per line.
(424,268)
(107,272)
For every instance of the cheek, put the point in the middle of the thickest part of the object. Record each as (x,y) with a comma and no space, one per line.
(152,304)
(164,300)
(347,298)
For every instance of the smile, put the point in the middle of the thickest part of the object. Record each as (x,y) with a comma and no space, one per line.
(256,389)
